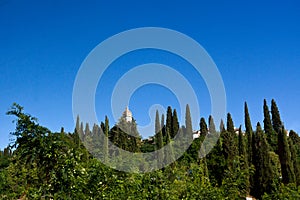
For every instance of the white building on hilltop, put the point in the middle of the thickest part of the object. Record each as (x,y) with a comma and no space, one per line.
(127,115)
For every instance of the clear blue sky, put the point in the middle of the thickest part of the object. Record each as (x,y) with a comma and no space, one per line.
(255,44)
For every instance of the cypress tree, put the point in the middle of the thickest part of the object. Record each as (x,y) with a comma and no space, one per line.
(163,128)
(175,123)
(169,121)
(162,124)
(249,133)
(159,140)
(188,121)
(271,137)
(211,125)
(81,132)
(169,154)
(216,163)
(87,130)
(94,130)
(203,127)
(264,175)
(295,138)
(229,147)
(105,143)
(77,127)
(243,157)
(222,126)
(267,119)
(277,125)
(295,161)
(288,175)
(135,138)
(188,131)
(157,123)
(230,125)
(242,146)
(276,121)
(76,132)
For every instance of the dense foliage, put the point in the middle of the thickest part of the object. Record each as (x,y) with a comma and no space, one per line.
(41,164)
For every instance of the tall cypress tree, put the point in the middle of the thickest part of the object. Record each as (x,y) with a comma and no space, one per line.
(203,127)
(277,125)
(105,143)
(81,132)
(175,123)
(159,140)
(76,132)
(230,149)
(268,127)
(222,126)
(249,133)
(230,125)
(242,146)
(163,128)
(77,127)
(288,175)
(169,153)
(211,125)
(188,121)
(169,121)
(264,175)
(295,161)
(276,121)
(162,123)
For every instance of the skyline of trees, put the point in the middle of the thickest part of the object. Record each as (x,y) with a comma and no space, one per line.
(241,163)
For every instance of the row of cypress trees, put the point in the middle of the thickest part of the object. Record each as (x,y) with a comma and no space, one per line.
(261,159)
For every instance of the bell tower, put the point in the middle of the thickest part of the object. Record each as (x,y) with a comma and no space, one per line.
(127,115)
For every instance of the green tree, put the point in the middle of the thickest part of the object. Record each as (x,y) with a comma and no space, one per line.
(175,123)
(264,175)
(105,138)
(222,126)
(230,148)
(211,125)
(159,140)
(294,160)
(230,125)
(276,120)
(169,121)
(188,121)
(203,127)
(271,135)
(249,134)
(288,175)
